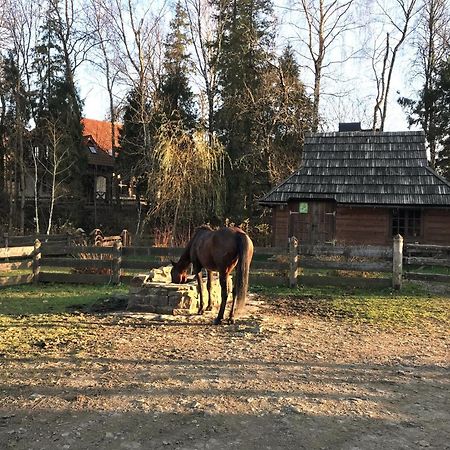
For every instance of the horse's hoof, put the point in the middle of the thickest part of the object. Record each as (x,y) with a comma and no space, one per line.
(217,321)
(200,312)
(209,308)
(231,321)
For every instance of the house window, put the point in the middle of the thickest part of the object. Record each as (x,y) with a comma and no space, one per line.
(407,222)
(100,188)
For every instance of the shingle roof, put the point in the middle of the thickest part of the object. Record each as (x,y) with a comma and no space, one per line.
(365,167)
(99,158)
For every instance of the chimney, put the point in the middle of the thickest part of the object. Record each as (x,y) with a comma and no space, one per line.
(349,126)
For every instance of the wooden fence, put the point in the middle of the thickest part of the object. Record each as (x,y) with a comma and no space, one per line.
(96,237)
(56,262)
(427,262)
(7,240)
(20,263)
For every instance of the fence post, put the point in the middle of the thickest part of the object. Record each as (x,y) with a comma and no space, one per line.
(293,261)
(125,235)
(397,262)
(36,261)
(6,237)
(98,237)
(117,262)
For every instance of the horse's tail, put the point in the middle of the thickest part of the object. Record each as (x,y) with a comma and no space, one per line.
(245,254)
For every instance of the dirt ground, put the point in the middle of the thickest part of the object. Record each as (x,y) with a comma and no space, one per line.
(278,379)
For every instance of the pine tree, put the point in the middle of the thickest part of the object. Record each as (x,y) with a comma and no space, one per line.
(13,135)
(244,54)
(57,104)
(290,115)
(176,97)
(441,95)
(136,140)
(431,111)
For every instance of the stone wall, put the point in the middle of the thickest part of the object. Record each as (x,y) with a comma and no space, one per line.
(155,293)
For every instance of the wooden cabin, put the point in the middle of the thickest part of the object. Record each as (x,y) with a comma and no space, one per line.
(362,188)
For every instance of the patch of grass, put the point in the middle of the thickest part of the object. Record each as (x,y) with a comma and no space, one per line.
(25,335)
(52,298)
(413,306)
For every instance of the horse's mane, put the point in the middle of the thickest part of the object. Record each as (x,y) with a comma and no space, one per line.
(197,231)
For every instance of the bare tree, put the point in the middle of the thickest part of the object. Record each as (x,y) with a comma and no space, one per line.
(20,22)
(432,40)
(138,38)
(133,49)
(206,34)
(103,57)
(399,20)
(57,164)
(325,22)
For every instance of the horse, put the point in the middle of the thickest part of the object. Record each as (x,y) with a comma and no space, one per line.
(217,251)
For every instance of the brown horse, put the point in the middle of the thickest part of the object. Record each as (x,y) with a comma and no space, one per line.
(217,251)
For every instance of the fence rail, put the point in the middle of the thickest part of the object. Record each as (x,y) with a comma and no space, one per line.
(427,262)
(50,262)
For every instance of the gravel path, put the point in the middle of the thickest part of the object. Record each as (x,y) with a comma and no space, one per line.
(272,381)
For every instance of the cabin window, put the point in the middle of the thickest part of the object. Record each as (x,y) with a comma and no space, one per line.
(407,222)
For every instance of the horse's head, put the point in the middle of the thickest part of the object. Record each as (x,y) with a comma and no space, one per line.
(178,275)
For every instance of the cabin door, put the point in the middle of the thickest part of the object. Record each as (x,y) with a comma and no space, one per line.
(313,222)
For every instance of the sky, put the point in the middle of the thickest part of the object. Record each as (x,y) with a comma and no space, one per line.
(348,88)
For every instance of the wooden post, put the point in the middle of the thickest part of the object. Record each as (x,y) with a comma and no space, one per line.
(98,237)
(6,237)
(117,262)
(36,261)
(397,262)
(293,261)
(125,238)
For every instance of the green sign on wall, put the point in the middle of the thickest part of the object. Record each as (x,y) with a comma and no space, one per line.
(303,208)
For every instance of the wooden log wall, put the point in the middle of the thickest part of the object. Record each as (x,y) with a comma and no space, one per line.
(363,226)
(436,227)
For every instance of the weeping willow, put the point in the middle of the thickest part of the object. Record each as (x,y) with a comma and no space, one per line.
(187,179)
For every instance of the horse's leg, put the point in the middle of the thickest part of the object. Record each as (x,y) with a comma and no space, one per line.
(233,305)
(223,278)
(198,276)
(208,288)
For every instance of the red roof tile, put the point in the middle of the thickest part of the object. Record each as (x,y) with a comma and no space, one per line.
(100,131)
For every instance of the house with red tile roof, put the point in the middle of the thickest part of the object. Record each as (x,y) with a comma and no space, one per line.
(100,132)
(100,148)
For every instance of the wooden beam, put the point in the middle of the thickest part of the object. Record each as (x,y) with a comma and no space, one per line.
(78,278)
(16,280)
(152,251)
(18,265)
(367,251)
(17,252)
(427,277)
(367,266)
(422,261)
(77,263)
